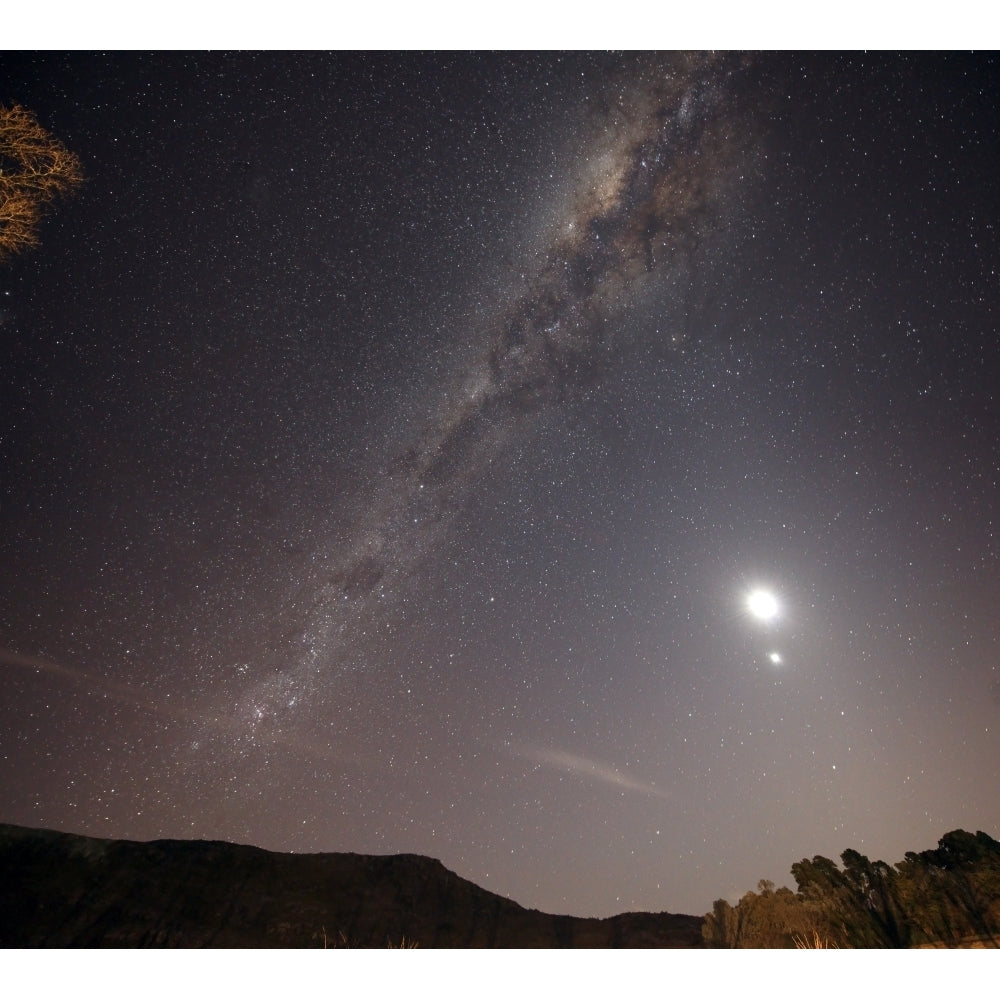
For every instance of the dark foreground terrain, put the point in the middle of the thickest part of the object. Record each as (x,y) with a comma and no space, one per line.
(58,890)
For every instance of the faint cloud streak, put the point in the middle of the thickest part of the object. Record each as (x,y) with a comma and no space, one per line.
(585,767)
(219,722)
(97,685)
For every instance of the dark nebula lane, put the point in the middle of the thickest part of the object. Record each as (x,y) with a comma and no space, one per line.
(667,151)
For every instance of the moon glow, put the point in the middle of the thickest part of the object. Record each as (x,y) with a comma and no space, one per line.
(763,605)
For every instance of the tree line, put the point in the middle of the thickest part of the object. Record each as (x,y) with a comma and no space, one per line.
(948,896)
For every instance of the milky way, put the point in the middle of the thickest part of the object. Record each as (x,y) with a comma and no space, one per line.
(665,150)
(392,444)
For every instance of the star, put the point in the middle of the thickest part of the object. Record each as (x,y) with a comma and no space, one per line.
(484,400)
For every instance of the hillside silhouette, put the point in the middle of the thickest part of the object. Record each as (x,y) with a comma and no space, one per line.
(59,890)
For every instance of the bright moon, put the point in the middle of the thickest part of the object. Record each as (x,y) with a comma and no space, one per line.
(763,605)
(775,658)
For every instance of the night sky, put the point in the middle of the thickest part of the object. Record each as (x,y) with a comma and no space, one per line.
(391,445)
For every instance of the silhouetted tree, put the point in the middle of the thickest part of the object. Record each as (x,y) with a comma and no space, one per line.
(860,902)
(768,918)
(964,870)
(948,896)
(931,913)
(720,928)
(875,893)
(35,169)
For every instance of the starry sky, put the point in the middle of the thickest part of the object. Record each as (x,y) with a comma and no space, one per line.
(579,468)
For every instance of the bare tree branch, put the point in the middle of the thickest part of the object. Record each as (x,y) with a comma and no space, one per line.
(35,169)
